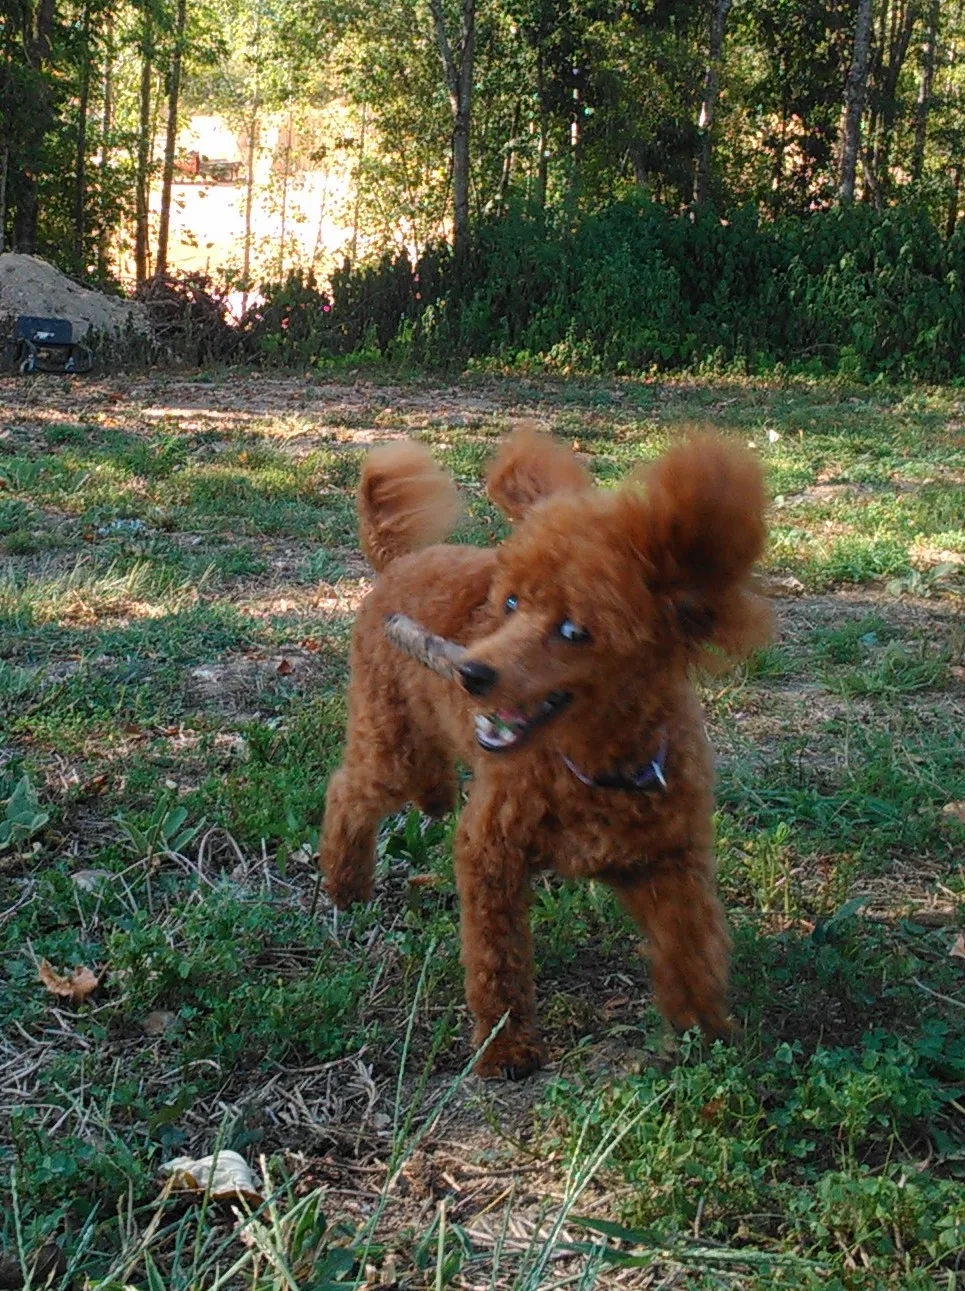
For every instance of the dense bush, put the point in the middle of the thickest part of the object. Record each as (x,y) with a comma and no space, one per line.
(634,287)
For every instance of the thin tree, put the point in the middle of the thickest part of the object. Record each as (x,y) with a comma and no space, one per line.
(142,166)
(849,140)
(509,157)
(80,165)
(708,107)
(926,84)
(170,140)
(107,125)
(357,212)
(252,143)
(6,117)
(885,77)
(457,64)
(36,47)
(286,178)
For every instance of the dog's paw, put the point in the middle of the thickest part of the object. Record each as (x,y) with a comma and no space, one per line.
(712,1026)
(348,890)
(510,1058)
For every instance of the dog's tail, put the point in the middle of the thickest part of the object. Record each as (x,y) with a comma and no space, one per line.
(405,502)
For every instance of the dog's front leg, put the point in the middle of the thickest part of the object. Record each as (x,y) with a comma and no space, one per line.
(675,905)
(497,946)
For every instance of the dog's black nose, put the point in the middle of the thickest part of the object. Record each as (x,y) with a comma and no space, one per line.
(478,678)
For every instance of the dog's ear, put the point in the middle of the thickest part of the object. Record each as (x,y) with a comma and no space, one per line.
(530,466)
(700,529)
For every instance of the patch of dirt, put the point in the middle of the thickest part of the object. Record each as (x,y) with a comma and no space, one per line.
(29,285)
(239,684)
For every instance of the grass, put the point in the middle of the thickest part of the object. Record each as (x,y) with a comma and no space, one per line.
(178,575)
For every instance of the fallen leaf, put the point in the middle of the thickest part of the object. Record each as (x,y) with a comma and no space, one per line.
(958,948)
(158,1022)
(955,811)
(91,880)
(75,988)
(425,880)
(224,1175)
(45,1268)
(957,672)
(285,667)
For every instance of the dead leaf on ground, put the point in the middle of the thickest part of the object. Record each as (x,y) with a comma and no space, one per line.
(225,1175)
(426,880)
(75,988)
(159,1022)
(285,667)
(46,1267)
(958,947)
(91,880)
(955,811)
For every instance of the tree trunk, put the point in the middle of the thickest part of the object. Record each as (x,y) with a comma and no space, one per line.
(925,86)
(952,220)
(4,166)
(638,161)
(542,164)
(576,136)
(284,197)
(107,122)
(508,158)
(903,19)
(457,66)
(849,139)
(170,141)
(5,131)
(249,198)
(37,50)
(80,165)
(141,177)
(357,213)
(708,107)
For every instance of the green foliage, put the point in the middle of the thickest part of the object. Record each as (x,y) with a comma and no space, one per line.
(185,779)
(853,292)
(780,1144)
(22,816)
(163,835)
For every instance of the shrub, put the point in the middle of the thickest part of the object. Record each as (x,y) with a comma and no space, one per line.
(635,287)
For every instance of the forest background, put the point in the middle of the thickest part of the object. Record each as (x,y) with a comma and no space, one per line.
(580,184)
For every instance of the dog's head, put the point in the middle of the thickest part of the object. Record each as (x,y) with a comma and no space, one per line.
(601,589)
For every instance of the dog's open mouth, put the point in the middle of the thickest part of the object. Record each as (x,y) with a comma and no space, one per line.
(508,728)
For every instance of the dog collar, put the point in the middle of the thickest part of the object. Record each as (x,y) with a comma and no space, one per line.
(644,779)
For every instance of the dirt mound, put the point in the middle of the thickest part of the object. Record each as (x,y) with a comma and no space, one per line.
(29,285)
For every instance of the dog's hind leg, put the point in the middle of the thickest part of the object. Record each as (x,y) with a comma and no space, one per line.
(675,906)
(355,805)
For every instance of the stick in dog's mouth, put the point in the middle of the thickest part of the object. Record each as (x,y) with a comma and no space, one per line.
(436,653)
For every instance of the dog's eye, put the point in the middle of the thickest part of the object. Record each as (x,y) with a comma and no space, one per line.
(570,632)
(511,603)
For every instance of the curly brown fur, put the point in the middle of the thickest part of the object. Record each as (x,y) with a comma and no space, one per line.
(581,631)
(530,466)
(405,502)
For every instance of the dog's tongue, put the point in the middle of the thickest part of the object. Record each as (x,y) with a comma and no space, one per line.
(509,716)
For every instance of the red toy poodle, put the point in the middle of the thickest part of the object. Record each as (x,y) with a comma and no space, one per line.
(567,655)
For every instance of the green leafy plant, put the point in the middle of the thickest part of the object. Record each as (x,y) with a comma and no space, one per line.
(164,834)
(22,816)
